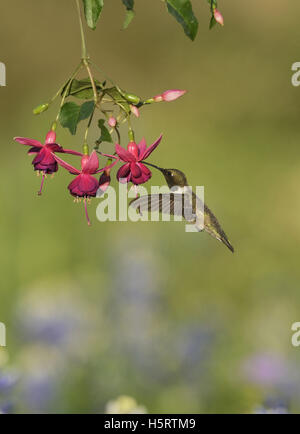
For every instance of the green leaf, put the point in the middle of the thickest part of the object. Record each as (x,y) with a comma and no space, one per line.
(129,4)
(105,135)
(183,12)
(128,18)
(118,99)
(82,89)
(114,94)
(86,110)
(71,114)
(92,11)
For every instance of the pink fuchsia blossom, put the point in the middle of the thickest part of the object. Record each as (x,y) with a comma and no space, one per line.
(85,185)
(135,111)
(112,121)
(169,95)
(134,170)
(44,160)
(218,17)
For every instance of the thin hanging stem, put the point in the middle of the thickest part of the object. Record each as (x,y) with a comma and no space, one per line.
(83,43)
(104,75)
(86,64)
(67,87)
(84,54)
(88,126)
(130,130)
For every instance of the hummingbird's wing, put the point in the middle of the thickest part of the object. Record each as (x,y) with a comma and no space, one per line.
(171,204)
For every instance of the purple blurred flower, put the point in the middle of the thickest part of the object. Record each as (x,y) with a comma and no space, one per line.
(7,381)
(266,369)
(272,406)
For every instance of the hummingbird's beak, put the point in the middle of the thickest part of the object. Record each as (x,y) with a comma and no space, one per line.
(153,165)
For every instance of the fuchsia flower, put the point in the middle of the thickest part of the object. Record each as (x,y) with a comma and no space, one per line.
(44,160)
(134,170)
(169,95)
(85,185)
(218,17)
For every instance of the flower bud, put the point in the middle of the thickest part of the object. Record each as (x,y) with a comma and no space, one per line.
(50,137)
(158,98)
(84,159)
(40,109)
(104,182)
(218,17)
(134,99)
(172,95)
(112,121)
(169,95)
(130,97)
(134,110)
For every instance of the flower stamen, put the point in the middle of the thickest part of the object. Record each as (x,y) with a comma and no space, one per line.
(86,211)
(42,183)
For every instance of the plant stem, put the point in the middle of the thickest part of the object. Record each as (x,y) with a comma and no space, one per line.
(104,75)
(67,87)
(130,130)
(86,64)
(65,84)
(88,126)
(83,44)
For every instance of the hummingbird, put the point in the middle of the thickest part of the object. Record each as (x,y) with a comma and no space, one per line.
(179,186)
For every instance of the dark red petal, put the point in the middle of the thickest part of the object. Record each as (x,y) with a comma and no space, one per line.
(135,170)
(86,185)
(48,157)
(151,148)
(70,151)
(104,179)
(28,142)
(92,164)
(142,147)
(144,177)
(67,166)
(33,150)
(145,170)
(49,168)
(124,154)
(124,173)
(39,157)
(109,166)
(53,147)
(73,186)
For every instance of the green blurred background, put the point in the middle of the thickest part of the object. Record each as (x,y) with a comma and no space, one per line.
(172,319)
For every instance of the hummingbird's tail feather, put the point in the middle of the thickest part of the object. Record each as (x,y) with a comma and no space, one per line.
(213,227)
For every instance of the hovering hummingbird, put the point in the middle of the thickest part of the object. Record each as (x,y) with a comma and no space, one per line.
(174,204)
